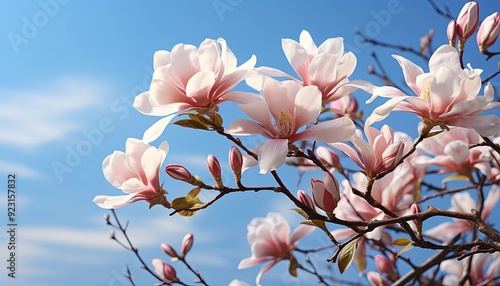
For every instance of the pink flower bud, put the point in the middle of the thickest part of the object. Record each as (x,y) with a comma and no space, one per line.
(213,166)
(376,279)
(383,264)
(169,250)
(235,160)
(415,209)
(164,270)
(305,199)
(179,172)
(488,32)
(467,20)
(451,32)
(345,106)
(326,193)
(187,243)
(393,154)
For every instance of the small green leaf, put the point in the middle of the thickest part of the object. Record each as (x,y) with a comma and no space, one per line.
(200,118)
(186,213)
(218,120)
(191,124)
(405,249)
(294,264)
(193,194)
(301,212)
(347,254)
(433,133)
(401,241)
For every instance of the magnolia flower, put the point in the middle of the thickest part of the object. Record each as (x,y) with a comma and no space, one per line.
(326,193)
(381,152)
(478,274)
(446,96)
(463,202)
(345,106)
(292,107)
(452,153)
(488,32)
(190,78)
(136,173)
(467,20)
(326,66)
(270,241)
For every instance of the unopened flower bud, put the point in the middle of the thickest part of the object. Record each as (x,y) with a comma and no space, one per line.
(169,250)
(376,279)
(393,154)
(187,243)
(179,172)
(236,162)
(305,199)
(451,32)
(415,209)
(164,270)
(213,166)
(488,32)
(383,264)
(467,20)
(326,193)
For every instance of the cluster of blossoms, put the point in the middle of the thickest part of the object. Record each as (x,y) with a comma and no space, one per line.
(390,166)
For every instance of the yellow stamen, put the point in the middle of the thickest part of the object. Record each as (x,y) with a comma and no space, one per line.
(285,124)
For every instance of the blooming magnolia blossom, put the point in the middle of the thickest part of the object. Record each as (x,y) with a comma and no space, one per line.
(463,202)
(270,241)
(446,95)
(379,154)
(478,272)
(136,173)
(190,78)
(292,107)
(452,153)
(326,67)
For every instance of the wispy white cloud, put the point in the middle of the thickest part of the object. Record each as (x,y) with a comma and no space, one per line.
(31,117)
(8,167)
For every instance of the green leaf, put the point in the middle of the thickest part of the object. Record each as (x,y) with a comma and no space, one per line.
(401,241)
(185,203)
(300,212)
(294,264)
(347,254)
(186,213)
(191,124)
(218,120)
(200,118)
(433,133)
(193,194)
(405,249)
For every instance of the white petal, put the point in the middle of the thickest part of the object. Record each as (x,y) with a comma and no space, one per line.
(112,202)
(272,154)
(156,129)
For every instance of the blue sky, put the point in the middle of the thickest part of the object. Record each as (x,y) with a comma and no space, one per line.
(70,70)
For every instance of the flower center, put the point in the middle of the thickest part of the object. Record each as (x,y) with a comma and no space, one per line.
(426,92)
(285,124)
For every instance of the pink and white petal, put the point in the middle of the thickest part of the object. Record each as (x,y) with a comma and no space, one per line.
(334,46)
(445,231)
(346,65)
(307,42)
(445,56)
(350,152)
(384,110)
(244,126)
(251,261)
(443,89)
(272,154)
(458,151)
(163,149)
(113,202)
(258,111)
(153,132)
(227,57)
(208,55)
(323,70)
(241,97)
(199,85)
(146,104)
(462,202)
(150,162)
(161,58)
(273,72)
(134,185)
(263,248)
(228,82)
(342,233)
(298,58)
(385,91)
(263,271)
(349,87)
(307,106)
(330,131)
(366,152)
(485,125)
(300,232)
(410,72)
(278,98)
(182,66)
(249,64)
(491,201)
